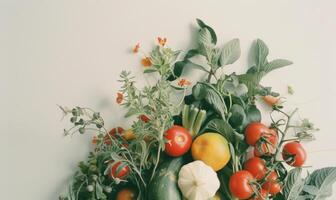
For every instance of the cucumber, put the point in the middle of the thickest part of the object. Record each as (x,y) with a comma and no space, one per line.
(164,183)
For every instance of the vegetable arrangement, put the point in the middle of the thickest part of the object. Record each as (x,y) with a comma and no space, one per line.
(207,144)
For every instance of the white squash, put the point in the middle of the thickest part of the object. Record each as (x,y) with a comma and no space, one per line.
(198,181)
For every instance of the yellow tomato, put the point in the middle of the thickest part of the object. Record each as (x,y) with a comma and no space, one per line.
(212,149)
(128,134)
(126,194)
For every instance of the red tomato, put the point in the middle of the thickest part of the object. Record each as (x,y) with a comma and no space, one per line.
(261,196)
(240,185)
(256,166)
(119,173)
(272,187)
(273,176)
(254,132)
(267,145)
(112,134)
(144,118)
(294,154)
(179,141)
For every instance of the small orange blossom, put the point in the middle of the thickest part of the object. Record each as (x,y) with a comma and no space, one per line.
(146,62)
(184,82)
(162,41)
(120,97)
(136,48)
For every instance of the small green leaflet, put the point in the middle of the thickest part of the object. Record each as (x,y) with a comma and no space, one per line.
(262,53)
(275,64)
(230,52)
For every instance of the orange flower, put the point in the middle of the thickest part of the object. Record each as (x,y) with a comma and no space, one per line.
(162,41)
(120,97)
(94,140)
(136,48)
(184,82)
(146,62)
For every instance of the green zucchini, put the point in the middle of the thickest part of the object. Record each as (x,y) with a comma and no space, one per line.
(164,183)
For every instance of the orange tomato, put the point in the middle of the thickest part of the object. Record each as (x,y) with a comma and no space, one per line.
(270,100)
(126,194)
(212,149)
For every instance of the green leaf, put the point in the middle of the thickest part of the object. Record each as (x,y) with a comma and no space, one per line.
(205,37)
(150,70)
(131,112)
(237,115)
(275,64)
(222,127)
(210,95)
(230,52)
(177,70)
(253,114)
(293,185)
(251,81)
(212,32)
(99,192)
(262,53)
(191,53)
(323,179)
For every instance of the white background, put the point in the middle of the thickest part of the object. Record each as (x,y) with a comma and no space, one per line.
(70,52)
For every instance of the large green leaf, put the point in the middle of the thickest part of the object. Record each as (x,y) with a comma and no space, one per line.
(323,179)
(294,185)
(212,32)
(230,52)
(210,95)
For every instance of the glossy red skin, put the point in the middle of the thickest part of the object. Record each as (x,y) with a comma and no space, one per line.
(273,176)
(296,149)
(239,184)
(122,173)
(262,195)
(256,166)
(112,133)
(254,132)
(179,141)
(264,148)
(272,187)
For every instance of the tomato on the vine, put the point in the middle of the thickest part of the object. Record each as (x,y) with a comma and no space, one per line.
(267,145)
(111,134)
(256,166)
(179,141)
(254,132)
(272,187)
(273,176)
(119,170)
(294,154)
(240,184)
(126,194)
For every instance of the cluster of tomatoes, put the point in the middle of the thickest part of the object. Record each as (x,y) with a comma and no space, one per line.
(259,179)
